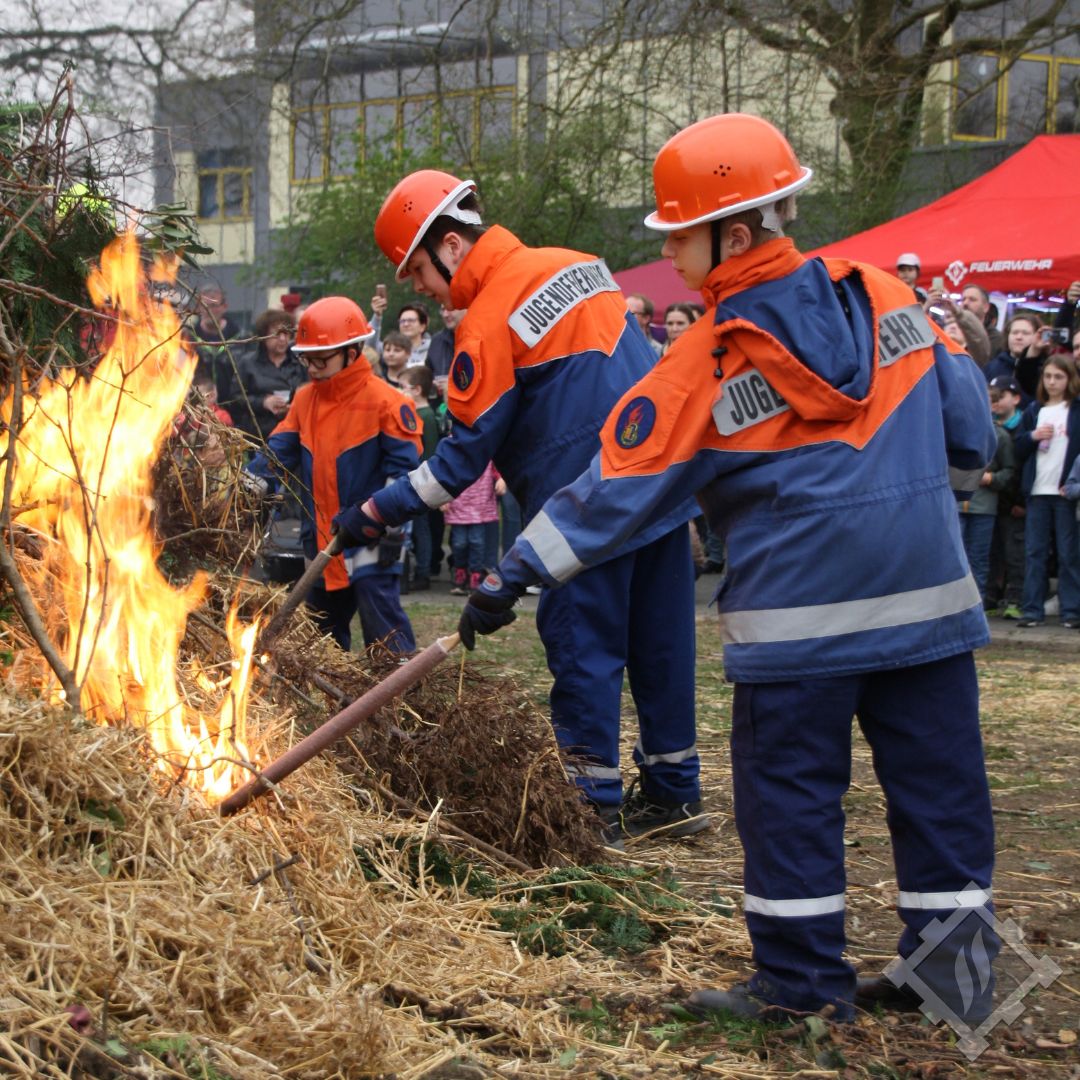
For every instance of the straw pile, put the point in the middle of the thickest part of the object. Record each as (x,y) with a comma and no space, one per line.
(465,741)
(139,929)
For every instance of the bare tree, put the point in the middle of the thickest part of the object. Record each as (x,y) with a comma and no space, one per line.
(880,57)
(118,54)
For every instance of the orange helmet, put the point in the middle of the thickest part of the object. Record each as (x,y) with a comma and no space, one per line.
(413,205)
(331,323)
(721,166)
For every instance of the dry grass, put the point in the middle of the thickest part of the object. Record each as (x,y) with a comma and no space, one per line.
(203,515)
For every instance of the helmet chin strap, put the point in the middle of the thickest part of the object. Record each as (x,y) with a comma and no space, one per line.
(439,265)
(716,233)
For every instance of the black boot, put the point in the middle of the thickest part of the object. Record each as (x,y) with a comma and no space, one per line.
(643,815)
(874,990)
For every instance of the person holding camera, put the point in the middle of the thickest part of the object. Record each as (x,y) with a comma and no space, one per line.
(346,434)
(1025,352)
(958,323)
(1068,315)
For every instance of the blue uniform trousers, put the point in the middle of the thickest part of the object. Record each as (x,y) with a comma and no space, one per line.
(791,765)
(633,613)
(377,598)
(421,545)
(977,532)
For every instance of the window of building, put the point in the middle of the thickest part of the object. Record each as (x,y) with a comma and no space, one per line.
(495,119)
(224,185)
(1067,104)
(343,149)
(976,97)
(324,142)
(458,124)
(1028,84)
(419,122)
(1038,94)
(325,137)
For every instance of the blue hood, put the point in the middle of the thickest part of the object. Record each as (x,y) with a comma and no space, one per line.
(832,323)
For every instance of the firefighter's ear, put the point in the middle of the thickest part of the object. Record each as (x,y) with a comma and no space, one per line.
(740,238)
(454,250)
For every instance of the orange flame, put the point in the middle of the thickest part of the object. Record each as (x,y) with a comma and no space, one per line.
(86,452)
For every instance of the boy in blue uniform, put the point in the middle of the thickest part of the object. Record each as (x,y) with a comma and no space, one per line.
(823,424)
(346,434)
(545,348)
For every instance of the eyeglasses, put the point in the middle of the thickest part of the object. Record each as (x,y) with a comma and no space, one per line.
(406,319)
(310,360)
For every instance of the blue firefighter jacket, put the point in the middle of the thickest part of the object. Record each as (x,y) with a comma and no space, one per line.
(345,437)
(543,353)
(825,424)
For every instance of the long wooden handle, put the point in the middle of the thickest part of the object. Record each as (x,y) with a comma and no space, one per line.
(395,684)
(297,594)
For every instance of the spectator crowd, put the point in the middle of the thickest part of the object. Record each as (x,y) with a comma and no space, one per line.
(1020,527)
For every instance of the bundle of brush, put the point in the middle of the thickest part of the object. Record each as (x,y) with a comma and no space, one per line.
(470,739)
(205,516)
(467,740)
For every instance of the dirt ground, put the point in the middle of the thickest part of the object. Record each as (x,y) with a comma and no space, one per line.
(1031,728)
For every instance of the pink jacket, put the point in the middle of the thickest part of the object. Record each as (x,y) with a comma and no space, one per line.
(477,503)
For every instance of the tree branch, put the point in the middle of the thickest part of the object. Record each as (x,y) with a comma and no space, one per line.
(8,566)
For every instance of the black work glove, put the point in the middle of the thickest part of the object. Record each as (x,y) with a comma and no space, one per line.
(393,540)
(357,527)
(488,609)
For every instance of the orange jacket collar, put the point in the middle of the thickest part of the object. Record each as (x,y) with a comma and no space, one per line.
(772,260)
(481,261)
(346,382)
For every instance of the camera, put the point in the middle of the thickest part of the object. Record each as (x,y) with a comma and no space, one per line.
(1057,334)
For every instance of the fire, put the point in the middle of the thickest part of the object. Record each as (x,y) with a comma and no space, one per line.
(83,471)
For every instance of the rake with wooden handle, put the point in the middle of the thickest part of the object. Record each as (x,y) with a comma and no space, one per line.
(395,684)
(297,594)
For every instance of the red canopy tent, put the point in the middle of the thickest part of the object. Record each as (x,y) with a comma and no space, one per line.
(1014,229)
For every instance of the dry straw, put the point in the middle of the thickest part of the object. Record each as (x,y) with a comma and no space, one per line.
(130,898)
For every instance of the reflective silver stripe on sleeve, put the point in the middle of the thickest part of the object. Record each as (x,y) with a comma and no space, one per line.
(552,548)
(793,909)
(943,901)
(849,616)
(363,556)
(964,479)
(665,759)
(595,772)
(428,488)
